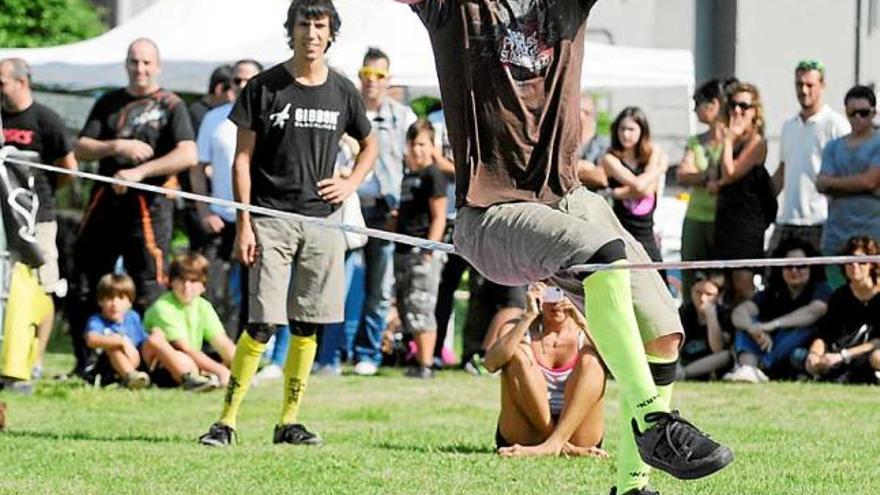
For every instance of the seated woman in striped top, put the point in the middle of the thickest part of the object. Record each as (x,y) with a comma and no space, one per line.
(552,381)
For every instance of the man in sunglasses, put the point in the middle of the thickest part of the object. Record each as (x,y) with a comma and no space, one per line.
(510,76)
(850,176)
(803,210)
(379,196)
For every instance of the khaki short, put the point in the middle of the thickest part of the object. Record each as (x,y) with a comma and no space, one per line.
(48,274)
(299,274)
(520,243)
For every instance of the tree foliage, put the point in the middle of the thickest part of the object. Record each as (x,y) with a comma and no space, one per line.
(33,23)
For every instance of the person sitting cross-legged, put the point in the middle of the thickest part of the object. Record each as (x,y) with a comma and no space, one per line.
(552,381)
(774,330)
(847,348)
(117,332)
(179,322)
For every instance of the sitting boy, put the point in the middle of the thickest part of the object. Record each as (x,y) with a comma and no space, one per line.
(179,322)
(117,332)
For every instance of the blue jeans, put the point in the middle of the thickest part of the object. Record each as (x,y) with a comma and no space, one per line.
(338,338)
(277,354)
(379,281)
(785,344)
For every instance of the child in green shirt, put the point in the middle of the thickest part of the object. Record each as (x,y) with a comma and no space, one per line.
(179,322)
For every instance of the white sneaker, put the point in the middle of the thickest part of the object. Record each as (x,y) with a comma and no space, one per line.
(743,374)
(761,376)
(327,370)
(270,372)
(365,368)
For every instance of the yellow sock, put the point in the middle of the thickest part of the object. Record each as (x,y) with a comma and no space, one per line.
(615,331)
(632,472)
(244,367)
(300,358)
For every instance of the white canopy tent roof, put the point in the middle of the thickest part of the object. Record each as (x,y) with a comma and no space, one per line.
(195,36)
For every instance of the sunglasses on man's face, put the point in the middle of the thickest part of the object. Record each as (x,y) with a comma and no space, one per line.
(793,268)
(372,72)
(861,112)
(742,105)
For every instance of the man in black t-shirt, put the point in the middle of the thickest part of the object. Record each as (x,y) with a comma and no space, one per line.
(30,126)
(139,133)
(290,119)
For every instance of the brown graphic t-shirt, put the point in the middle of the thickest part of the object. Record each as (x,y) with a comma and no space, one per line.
(510,73)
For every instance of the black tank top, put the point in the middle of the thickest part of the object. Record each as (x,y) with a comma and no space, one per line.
(637,215)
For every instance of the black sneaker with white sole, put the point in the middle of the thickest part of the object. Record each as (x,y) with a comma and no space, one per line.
(219,435)
(295,434)
(636,491)
(677,447)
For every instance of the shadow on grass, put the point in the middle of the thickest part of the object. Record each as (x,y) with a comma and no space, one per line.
(452,448)
(91,437)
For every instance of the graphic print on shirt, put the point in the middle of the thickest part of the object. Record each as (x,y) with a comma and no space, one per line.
(143,119)
(21,137)
(524,46)
(279,119)
(306,118)
(312,118)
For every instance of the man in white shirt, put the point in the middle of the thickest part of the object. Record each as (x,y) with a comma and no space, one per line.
(803,209)
(216,144)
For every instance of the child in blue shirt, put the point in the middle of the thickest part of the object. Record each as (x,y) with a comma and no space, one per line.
(117,330)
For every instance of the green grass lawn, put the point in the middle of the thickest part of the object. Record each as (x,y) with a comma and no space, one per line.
(393,435)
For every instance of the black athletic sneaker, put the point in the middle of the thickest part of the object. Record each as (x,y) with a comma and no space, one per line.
(420,372)
(636,491)
(295,434)
(677,447)
(219,435)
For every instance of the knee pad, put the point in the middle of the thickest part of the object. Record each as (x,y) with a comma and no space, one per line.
(302,329)
(610,252)
(663,373)
(261,332)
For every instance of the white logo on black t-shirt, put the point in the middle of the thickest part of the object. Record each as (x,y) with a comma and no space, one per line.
(280,118)
(316,119)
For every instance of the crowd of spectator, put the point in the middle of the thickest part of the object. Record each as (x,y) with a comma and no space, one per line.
(136,321)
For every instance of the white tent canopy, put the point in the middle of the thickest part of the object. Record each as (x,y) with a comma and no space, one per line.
(195,36)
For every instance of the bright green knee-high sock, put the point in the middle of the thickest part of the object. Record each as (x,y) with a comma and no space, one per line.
(244,366)
(613,326)
(300,358)
(631,471)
